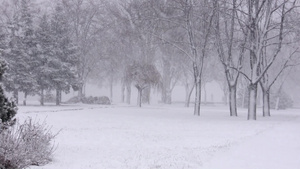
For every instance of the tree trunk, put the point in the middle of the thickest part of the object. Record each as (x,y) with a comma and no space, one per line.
(266,102)
(16,96)
(60,96)
(140,95)
(205,95)
(25,98)
(123,93)
(252,101)
(146,95)
(232,100)
(188,94)
(168,96)
(259,96)
(80,91)
(128,93)
(163,95)
(197,97)
(111,89)
(42,97)
(57,97)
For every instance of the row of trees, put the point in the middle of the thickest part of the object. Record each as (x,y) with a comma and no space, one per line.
(150,44)
(39,51)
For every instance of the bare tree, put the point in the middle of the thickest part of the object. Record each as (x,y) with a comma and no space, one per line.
(85,18)
(230,47)
(263,23)
(143,76)
(194,19)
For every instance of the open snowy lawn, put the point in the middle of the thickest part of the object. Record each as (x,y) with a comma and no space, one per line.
(120,137)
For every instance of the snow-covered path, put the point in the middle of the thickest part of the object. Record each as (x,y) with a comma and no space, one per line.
(169,137)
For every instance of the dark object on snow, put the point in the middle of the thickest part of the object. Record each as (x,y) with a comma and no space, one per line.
(8,109)
(90,100)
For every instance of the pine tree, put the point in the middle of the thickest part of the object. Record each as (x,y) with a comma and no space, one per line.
(64,57)
(21,53)
(44,56)
(29,83)
(8,108)
(12,55)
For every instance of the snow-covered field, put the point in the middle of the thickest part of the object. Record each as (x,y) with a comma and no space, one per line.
(128,137)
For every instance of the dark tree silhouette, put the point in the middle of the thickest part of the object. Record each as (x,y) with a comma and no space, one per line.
(8,108)
(143,76)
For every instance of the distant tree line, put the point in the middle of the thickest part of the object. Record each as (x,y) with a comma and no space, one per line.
(39,52)
(243,45)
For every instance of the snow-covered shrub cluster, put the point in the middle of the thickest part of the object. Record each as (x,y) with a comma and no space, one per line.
(23,145)
(90,100)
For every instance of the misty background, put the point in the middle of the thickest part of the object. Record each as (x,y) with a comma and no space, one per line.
(103,38)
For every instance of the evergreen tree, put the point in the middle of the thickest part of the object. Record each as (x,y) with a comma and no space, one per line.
(44,56)
(29,83)
(21,53)
(7,108)
(14,59)
(64,57)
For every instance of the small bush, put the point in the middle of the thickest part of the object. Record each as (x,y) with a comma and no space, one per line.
(90,100)
(74,100)
(23,145)
(103,100)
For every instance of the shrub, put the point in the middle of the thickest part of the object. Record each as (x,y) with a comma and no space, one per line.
(103,100)
(75,99)
(23,145)
(90,100)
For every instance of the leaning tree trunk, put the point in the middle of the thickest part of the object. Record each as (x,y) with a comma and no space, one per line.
(197,97)
(232,100)
(252,101)
(188,94)
(42,97)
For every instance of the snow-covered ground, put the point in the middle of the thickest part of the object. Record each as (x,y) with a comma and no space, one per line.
(128,137)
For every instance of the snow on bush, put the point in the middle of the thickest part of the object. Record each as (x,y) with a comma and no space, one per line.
(23,145)
(90,100)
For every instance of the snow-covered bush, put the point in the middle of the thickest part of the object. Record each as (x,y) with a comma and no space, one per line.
(90,100)
(75,99)
(23,145)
